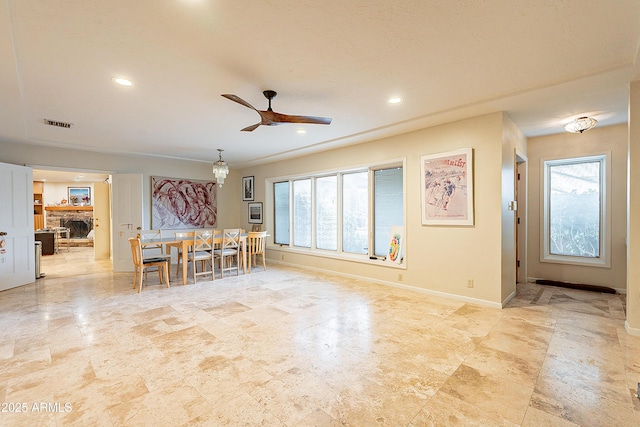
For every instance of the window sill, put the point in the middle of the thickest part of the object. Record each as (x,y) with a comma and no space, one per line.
(577,261)
(363,259)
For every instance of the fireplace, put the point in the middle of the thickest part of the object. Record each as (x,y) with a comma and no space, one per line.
(78,228)
(78,219)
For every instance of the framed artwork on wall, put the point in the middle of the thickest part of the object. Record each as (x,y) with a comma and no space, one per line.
(447,188)
(247,188)
(255,213)
(178,203)
(79,195)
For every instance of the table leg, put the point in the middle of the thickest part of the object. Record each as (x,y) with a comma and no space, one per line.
(185,251)
(244,255)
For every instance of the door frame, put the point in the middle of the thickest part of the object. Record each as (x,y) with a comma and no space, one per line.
(521,227)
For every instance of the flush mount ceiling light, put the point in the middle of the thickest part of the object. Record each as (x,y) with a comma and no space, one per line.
(220,169)
(580,125)
(395,100)
(122,82)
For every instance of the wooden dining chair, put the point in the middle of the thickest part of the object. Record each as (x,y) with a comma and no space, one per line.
(152,251)
(140,264)
(256,244)
(229,248)
(155,250)
(181,235)
(202,252)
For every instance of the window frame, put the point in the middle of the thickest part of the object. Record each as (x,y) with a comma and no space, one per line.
(368,257)
(604,259)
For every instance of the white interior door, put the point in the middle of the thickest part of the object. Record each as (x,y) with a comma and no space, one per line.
(17,248)
(127,217)
(101,221)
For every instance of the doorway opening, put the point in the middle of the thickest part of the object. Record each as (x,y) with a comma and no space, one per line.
(88,220)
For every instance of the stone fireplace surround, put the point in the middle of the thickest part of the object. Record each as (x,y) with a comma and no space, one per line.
(79,220)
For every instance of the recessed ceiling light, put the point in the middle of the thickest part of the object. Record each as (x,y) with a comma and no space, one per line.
(301,131)
(395,100)
(123,82)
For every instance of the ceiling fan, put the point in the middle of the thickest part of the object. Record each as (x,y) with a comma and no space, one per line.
(271,118)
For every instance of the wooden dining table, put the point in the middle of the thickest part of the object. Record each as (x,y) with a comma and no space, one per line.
(183,243)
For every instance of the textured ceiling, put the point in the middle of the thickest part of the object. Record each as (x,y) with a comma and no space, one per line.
(543,62)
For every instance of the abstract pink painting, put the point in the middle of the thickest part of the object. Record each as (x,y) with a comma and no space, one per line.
(182,203)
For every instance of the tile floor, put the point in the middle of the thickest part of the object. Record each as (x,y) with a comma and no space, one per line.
(289,347)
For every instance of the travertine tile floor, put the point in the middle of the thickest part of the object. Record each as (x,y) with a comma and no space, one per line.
(289,347)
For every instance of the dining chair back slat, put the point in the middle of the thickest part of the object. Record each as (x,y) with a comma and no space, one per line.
(256,244)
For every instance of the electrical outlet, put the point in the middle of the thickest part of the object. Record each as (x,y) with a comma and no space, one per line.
(400,277)
(470,283)
(282,257)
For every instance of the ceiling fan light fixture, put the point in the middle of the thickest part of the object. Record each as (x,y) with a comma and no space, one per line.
(580,125)
(220,169)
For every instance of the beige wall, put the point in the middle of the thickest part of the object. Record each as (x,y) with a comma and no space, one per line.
(633,214)
(597,140)
(230,214)
(438,259)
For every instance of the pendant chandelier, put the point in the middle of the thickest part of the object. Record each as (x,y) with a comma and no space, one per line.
(220,169)
(580,125)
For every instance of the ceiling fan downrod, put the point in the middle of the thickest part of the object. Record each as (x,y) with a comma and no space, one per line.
(269,94)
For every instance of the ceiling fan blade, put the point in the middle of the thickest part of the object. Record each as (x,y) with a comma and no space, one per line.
(238,100)
(271,118)
(251,128)
(287,118)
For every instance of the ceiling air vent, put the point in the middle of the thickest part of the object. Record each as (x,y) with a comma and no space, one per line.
(58,124)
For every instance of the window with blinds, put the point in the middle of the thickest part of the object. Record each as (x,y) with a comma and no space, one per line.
(342,212)
(388,206)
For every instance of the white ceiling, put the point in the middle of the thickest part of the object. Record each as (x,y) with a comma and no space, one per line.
(543,62)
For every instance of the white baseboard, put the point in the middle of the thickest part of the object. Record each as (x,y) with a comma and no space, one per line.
(508,298)
(631,331)
(398,285)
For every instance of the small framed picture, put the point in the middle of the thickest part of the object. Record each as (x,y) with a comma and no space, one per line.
(247,188)
(79,196)
(255,213)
